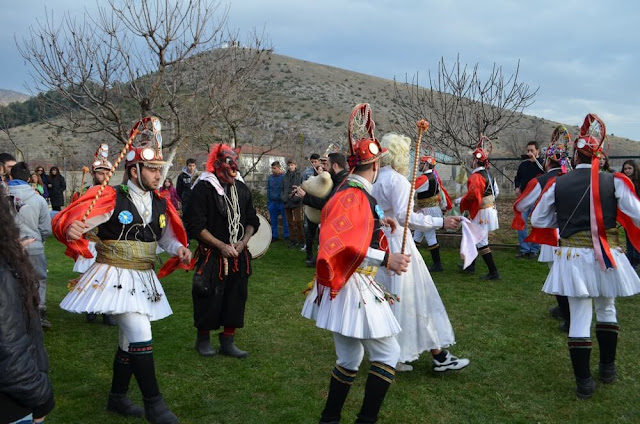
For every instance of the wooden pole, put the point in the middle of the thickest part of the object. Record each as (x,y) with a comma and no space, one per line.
(422,125)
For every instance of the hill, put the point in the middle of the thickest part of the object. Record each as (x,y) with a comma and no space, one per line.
(10,96)
(310,98)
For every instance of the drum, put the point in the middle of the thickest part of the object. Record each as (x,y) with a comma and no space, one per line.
(260,241)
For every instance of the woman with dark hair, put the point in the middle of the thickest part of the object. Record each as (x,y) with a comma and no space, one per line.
(169,192)
(25,388)
(57,186)
(630,169)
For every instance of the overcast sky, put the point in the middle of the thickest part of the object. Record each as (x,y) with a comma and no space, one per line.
(582,54)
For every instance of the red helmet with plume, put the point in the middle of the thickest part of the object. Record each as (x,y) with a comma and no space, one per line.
(592,135)
(148,151)
(101,158)
(365,148)
(483,149)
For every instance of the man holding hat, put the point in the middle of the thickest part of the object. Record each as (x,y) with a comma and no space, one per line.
(127,223)
(345,298)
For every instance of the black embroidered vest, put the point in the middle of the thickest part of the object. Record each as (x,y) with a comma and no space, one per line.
(433,190)
(572,201)
(488,181)
(114,229)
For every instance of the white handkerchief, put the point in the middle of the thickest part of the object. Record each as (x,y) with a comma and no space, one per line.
(472,234)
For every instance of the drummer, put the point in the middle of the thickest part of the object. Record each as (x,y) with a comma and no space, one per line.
(222,255)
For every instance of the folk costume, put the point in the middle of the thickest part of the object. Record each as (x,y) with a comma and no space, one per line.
(126,224)
(590,265)
(222,208)
(432,200)
(557,163)
(420,312)
(345,298)
(480,202)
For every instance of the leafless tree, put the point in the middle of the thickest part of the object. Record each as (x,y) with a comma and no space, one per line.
(134,58)
(460,105)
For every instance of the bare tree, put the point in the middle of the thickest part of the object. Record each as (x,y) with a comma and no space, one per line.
(135,58)
(461,105)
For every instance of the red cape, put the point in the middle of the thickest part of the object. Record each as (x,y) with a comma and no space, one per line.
(105,204)
(472,200)
(543,235)
(518,222)
(345,236)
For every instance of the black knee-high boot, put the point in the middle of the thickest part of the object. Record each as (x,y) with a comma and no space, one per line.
(607,335)
(488,259)
(435,255)
(118,401)
(341,381)
(580,352)
(378,381)
(155,409)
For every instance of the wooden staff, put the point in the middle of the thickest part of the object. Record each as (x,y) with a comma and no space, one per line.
(84,172)
(422,125)
(123,153)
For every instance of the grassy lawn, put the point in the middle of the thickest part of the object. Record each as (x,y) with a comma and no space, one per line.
(520,370)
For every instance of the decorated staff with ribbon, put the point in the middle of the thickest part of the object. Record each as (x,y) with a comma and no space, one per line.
(420,312)
(556,162)
(432,200)
(480,203)
(127,222)
(221,216)
(589,264)
(345,297)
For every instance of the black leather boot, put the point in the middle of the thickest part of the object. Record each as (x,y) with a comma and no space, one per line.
(607,335)
(227,347)
(471,269)
(121,404)
(118,401)
(203,345)
(341,381)
(435,255)
(580,352)
(156,411)
(491,265)
(378,382)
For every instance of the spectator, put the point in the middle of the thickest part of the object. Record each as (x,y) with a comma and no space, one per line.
(274,201)
(3,185)
(38,185)
(336,166)
(25,389)
(7,160)
(34,222)
(313,168)
(169,192)
(292,204)
(44,178)
(603,161)
(530,168)
(185,180)
(630,169)
(57,185)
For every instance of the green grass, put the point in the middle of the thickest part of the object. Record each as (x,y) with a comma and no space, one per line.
(519,373)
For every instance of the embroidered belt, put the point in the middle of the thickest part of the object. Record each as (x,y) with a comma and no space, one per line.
(429,202)
(487,202)
(583,239)
(128,254)
(371,271)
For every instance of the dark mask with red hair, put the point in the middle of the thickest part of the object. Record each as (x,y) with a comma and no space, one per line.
(223,161)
